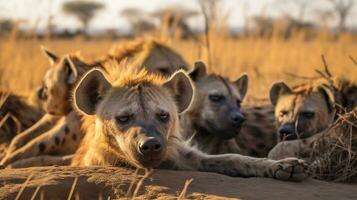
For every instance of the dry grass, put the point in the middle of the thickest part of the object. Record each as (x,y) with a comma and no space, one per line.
(22,64)
(335,155)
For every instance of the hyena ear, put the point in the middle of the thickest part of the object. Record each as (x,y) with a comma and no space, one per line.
(198,71)
(70,70)
(328,95)
(50,55)
(278,89)
(90,91)
(242,85)
(181,88)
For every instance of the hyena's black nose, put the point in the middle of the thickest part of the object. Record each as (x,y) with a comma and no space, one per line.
(237,118)
(149,146)
(287,132)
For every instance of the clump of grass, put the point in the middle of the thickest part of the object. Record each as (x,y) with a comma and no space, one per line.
(334,156)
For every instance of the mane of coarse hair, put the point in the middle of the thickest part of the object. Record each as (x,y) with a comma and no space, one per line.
(124,74)
(79,61)
(128,49)
(308,88)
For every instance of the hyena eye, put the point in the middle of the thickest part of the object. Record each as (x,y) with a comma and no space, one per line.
(216,97)
(163,117)
(283,113)
(307,114)
(123,119)
(239,102)
(42,93)
(164,70)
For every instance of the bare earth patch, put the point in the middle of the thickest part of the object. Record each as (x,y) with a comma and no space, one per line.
(102,182)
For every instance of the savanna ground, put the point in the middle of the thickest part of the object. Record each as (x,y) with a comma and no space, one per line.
(22,66)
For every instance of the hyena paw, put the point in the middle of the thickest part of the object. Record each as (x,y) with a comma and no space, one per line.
(291,169)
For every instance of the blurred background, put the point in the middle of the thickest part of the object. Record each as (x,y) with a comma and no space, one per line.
(271,40)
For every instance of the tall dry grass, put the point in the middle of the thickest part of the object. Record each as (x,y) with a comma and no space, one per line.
(22,64)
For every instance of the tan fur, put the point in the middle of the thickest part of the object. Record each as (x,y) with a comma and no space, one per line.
(64,73)
(308,148)
(17,113)
(303,110)
(307,95)
(53,128)
(154,55)
(112,137)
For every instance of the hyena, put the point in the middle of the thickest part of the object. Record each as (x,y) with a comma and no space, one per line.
(58,132)
(152,54)
(302,111)
(52,134)
(134,122)
(17,113)
(216,123)
(340,134)
(306,111)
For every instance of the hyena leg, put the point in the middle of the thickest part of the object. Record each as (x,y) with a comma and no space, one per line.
(58,140)
(43,125)
(301,148)
(42,161)
(237,165)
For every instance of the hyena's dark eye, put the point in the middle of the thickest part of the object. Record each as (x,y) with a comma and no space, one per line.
(123,119)
(239,102)
(164,70)
(283,113)
(307,114)
(163,117)
(216,97)
(42,93)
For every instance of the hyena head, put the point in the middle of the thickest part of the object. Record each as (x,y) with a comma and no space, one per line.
(58,81)
(155,56)
(302,111)
(216,109)
(137,114)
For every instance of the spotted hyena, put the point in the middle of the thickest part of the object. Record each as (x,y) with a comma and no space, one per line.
(302,111)
(134,122)
(58,132)
(55,133)
(216,123)
(155,56)
(305,112)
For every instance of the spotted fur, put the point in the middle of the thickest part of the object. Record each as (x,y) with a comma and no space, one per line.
(127,115)
(326,100)
(210,123)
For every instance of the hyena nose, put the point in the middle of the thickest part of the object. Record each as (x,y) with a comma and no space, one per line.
(286,131)
(237,118)
(150,146)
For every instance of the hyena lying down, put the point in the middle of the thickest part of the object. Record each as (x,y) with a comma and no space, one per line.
(17,113)
(133,122)
(304,112)
(216,123)
(58,132)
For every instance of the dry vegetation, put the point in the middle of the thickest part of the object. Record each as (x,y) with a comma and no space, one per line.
(22,64)
(338,162)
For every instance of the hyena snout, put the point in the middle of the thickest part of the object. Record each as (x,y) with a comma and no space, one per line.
(150,146)
(287,132)
(237,118)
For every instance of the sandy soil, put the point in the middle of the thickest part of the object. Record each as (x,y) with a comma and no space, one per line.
(101,183)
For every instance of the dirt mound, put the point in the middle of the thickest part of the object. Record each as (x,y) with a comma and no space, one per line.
(100,183)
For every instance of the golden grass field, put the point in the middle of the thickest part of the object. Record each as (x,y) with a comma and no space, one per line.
(22,64)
